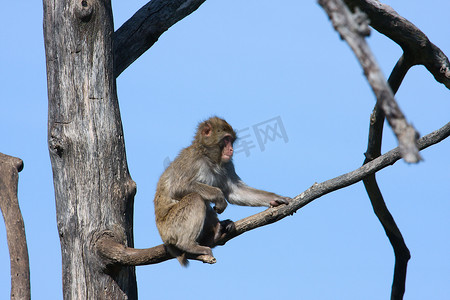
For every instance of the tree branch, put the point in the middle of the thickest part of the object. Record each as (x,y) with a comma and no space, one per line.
(353,28)
(144,28)
(15,228)
(413,41)
(115,253)
(393,233)
(417,50)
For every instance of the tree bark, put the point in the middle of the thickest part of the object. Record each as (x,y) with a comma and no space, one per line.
(353,28)
(15,228)
(94,192)
(416,45)
(144,28)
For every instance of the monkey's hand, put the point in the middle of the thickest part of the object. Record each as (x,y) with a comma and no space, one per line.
(216,196)
(279,201)
(220,204)
(219,201)
(212,194)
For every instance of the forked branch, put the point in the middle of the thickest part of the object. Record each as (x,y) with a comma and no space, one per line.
(416,45)
(353,28)
(417,50)
(115,253)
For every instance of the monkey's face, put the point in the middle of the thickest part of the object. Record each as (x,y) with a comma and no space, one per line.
(227,150)
(217,136)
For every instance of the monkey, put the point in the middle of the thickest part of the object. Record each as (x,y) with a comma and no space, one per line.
(201,174)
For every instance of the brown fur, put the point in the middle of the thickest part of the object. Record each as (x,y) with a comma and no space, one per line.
(203,173)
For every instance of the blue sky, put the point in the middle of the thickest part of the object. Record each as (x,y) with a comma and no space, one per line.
(251,62)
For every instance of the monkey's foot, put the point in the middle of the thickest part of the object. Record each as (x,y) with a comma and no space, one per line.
(206,259)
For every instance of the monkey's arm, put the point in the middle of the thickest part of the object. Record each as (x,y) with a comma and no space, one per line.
(210,193)
(241,194)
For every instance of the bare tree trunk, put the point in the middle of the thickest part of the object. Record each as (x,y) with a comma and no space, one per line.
(93,189)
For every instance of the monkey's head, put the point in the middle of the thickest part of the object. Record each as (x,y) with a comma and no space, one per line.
(216,137)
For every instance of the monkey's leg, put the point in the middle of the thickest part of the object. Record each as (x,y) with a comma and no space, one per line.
(211,228)
(214,230)
(188,219)
(226,227)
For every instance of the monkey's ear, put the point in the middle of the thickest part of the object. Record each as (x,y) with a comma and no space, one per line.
(206,130)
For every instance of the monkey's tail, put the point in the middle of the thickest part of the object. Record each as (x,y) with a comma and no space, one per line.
(182,259)
(178,254)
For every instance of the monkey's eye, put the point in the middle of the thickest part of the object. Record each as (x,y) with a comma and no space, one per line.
(228,139)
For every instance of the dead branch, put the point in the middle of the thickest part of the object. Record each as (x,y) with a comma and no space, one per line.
(417,50)
(114,252)
(145,27)
(353,28)
(15,229)
(380,209)
(416,45)
(109,248)
(393,233)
